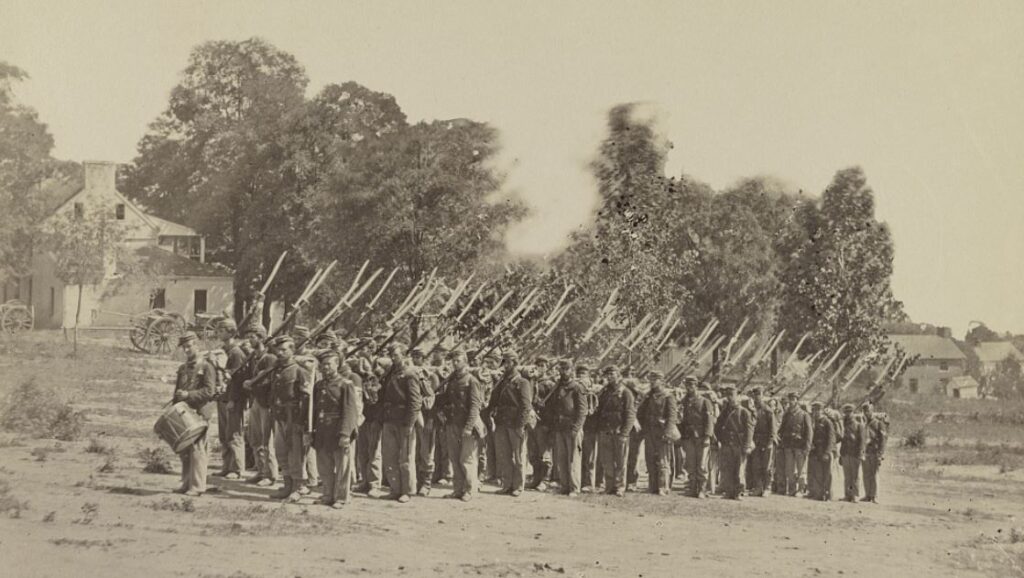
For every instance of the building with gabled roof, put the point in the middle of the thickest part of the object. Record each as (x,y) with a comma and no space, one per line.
(160,264)
(992,353)
(938,362)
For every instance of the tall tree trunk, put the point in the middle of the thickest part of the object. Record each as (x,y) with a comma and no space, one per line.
(78,315)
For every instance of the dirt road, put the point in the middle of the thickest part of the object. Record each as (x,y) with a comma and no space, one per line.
(127,523)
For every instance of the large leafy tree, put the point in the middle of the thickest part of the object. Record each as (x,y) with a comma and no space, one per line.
(837,269)
(627,246)
(215,158)
(26,171)
(417,198)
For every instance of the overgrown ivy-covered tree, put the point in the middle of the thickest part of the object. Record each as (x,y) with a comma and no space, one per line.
(837,269)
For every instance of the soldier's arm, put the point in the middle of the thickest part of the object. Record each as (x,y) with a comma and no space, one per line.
(709,420)
(415,399)
(883,437)
(747,421)
(580,409)
(673,412)
(349,411)
(808,433)
(206,391)
(476,400)
(525,394)
(628,412)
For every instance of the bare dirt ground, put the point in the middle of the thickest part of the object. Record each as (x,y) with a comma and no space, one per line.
(66,517)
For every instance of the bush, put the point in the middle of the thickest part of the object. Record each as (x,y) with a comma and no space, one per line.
(31,409)
(9,505)
(156,460)
(109,465)
(916,439)
(97,447)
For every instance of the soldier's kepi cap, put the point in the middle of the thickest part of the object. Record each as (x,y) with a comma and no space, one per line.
(543,359)
(792,395)
(727,387)
(301,332)
(510,355)
(417,351)
(397,346)
(494,354)
(327,335)
(458,351)
(847,407)
(324,354)
(609,369)
(187,337)
(255,327)
(816,404)
(656,374)
(690,380)
(756,390)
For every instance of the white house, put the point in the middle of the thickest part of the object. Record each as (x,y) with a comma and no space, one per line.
(160,265)
(992,353)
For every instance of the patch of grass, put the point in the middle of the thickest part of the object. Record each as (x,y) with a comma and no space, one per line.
(105,544)
(10,506)
(156,460)
(33,410)
(97,446)
(109,464)
(168,504)
(916,439)
(11,442)
(90,510)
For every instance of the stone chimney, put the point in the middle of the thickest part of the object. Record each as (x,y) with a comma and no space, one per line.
(100,175)
(946,332)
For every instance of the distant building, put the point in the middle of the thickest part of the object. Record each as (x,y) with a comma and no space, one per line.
(963,387)
(939,362)
(992,353)
(161,265)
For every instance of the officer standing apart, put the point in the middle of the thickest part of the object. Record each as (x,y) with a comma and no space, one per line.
(195,386)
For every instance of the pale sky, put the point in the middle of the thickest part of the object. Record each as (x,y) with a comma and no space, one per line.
(927,96)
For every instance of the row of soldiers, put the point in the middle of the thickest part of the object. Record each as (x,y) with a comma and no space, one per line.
(375,413)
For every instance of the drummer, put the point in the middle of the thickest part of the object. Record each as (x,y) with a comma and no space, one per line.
(195,386)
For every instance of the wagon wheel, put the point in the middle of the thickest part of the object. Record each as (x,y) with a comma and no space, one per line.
(16,319)
(164,333)
(140,337)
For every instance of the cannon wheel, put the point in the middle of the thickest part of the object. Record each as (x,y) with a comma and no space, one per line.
(16,318)
(156,334)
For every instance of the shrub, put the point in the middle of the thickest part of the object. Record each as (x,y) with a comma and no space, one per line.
(170,505)
(9,505)
(109,465)
(89,512)
(50,517)
(916,439)
(98,447)
(31,409)
(156,460)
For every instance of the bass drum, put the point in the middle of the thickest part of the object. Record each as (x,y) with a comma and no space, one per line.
(180,426)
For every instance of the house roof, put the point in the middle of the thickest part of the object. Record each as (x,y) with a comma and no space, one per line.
(928,346)
(150,260)
(996,351)
(172,229)
(963,381)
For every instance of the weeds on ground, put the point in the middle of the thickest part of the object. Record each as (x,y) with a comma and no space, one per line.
(33,410)
(916,439)
(51,517)
(168,504)
(105,544)
(97,446)
(156,460)
(109,464)
(10,506)
(90,510)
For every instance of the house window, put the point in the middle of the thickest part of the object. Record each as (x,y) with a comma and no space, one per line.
(943,366)
(166,241)
(79,210)
(913,385)
(119,211)
(158,299)
(53,302)
(200,301)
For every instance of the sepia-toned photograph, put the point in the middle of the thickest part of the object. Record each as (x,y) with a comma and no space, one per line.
(511,289)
